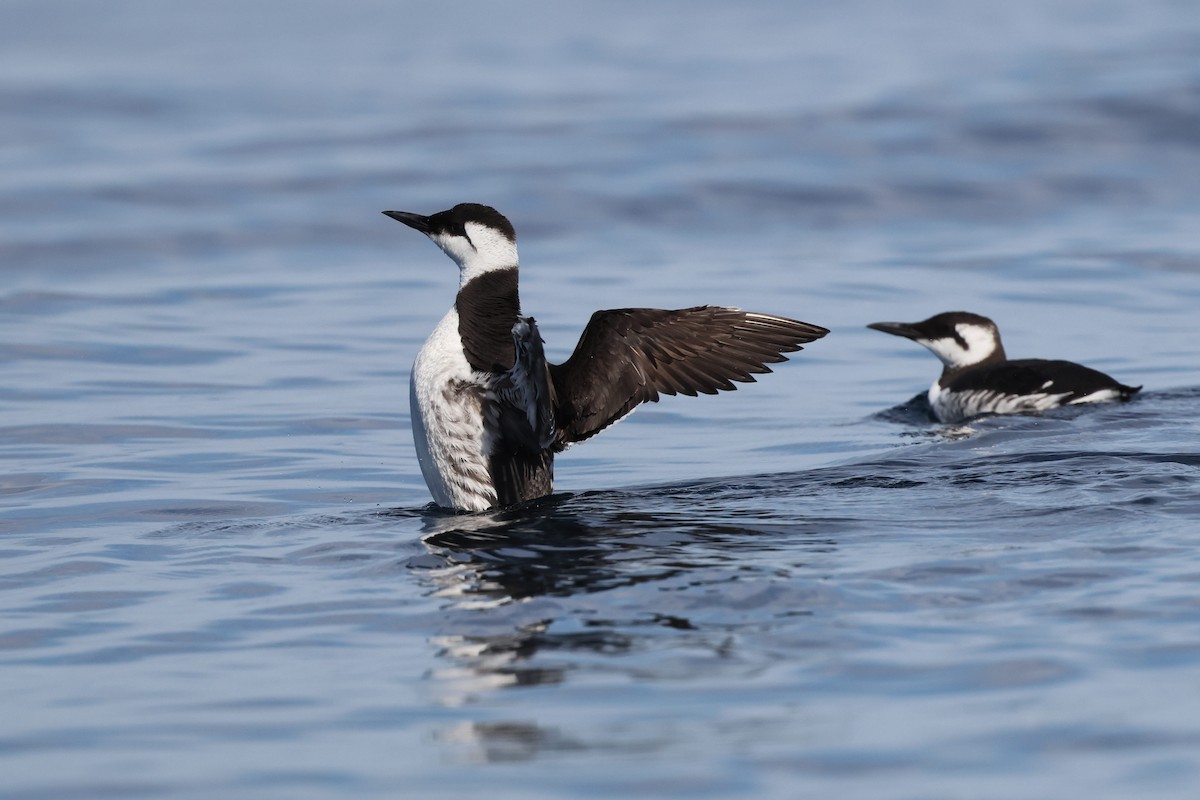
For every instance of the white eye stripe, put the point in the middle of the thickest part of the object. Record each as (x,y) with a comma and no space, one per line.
(980,342)
(973,344)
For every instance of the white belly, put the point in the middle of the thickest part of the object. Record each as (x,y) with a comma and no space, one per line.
(447,422)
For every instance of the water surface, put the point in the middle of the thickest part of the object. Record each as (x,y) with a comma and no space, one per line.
(219,571)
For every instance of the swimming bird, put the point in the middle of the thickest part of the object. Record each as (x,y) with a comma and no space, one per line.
(977,377)
(489,412)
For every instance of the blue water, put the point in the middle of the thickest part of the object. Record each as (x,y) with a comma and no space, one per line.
(219,572)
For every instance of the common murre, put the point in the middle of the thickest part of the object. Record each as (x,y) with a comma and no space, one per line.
(977,377)
(489,411)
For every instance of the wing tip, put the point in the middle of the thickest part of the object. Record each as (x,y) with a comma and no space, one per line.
(804,332)
(692,351)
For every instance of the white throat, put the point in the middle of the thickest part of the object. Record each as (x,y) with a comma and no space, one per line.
(484,249)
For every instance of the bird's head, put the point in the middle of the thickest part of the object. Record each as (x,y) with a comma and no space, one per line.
(477,237)
(958,338)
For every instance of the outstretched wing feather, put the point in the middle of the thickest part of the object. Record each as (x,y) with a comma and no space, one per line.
(630,356)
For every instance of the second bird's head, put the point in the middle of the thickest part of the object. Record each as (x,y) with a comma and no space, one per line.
(958,338)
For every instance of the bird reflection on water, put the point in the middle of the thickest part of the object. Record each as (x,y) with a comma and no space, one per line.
(606,583)
(568,545)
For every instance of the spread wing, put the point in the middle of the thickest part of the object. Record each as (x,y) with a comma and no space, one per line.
(521,463)
(630,356)
(525,400)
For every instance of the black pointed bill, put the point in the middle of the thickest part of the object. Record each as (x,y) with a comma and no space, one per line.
(415,221)
(905,329)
